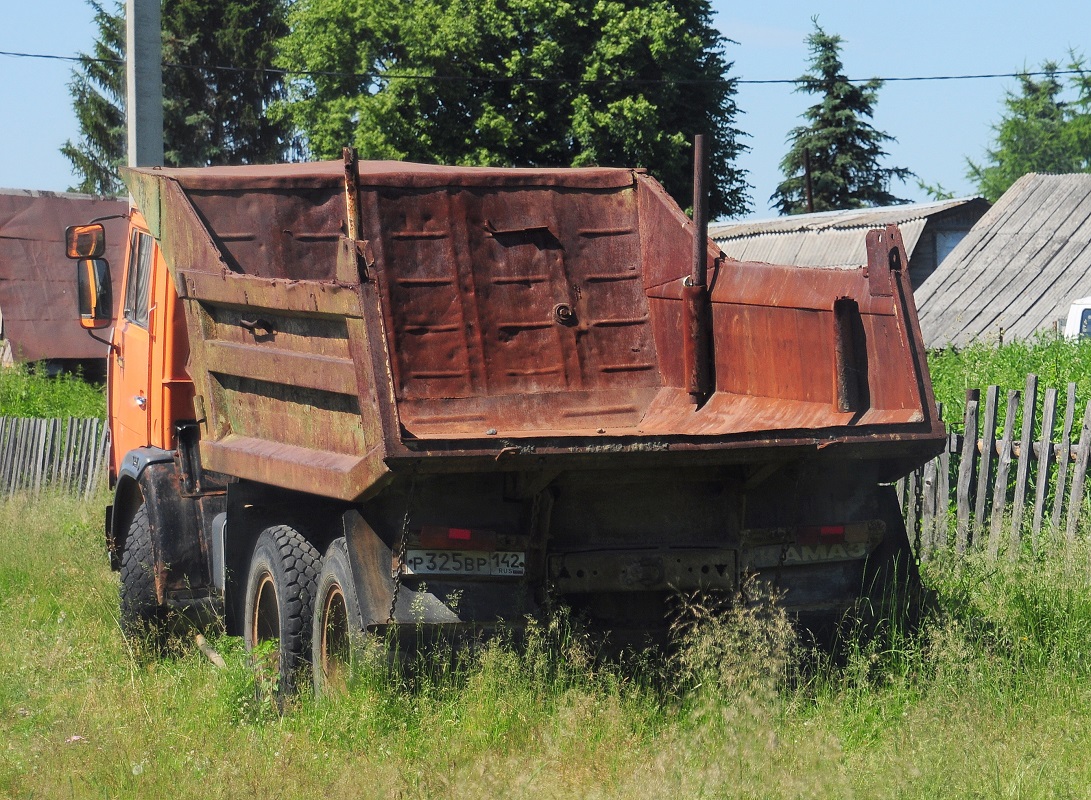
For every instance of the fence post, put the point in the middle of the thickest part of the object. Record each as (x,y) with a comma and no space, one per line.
(1003,466)
(1045,461)
(988,444)
(1065,456)
(1022,473)
(1075,498)
(967,461)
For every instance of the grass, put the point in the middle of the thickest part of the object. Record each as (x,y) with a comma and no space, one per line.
(989,699)
(26,391)
(1055,360)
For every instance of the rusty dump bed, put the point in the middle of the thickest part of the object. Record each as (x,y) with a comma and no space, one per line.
(453,319)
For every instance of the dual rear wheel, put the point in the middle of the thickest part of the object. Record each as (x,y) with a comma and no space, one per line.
(306,604)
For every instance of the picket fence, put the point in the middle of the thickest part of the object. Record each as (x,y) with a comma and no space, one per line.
(1000,488)
(67,454)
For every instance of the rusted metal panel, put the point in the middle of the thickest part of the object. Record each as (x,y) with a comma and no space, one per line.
(336,375)
(489,319)
(304,296)
(37,282)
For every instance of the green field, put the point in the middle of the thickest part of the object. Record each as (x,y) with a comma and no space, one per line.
(990,699)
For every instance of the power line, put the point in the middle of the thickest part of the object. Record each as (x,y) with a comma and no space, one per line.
(287,73)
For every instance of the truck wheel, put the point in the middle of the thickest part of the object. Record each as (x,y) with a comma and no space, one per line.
(280,601)
(141,615)
(336,622)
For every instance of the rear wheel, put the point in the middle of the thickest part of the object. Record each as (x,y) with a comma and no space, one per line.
(336,622)
(280,601)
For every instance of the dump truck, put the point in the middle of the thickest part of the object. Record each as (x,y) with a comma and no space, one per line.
(379,398)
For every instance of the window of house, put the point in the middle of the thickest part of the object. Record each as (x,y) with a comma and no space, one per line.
(946,241)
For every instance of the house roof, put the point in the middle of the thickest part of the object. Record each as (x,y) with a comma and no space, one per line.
(37,282)
(827,238)
(1018,269)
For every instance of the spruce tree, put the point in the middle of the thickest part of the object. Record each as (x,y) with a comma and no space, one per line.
(98,94)
(838,147)
(1038,132)
(217,86)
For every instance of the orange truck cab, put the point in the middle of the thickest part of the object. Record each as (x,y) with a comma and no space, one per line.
(354,398)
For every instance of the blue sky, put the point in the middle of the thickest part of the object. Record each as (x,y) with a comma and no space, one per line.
(938,124)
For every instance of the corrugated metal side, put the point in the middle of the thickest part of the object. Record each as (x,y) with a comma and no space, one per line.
(1018,269)
(829,247)
(847,218)
(37,282)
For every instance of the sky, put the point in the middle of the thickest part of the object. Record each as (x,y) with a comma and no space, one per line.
(937,124)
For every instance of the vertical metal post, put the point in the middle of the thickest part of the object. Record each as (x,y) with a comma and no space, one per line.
(144,83)
(696,305)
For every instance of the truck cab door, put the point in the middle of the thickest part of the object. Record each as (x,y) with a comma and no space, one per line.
(130,362)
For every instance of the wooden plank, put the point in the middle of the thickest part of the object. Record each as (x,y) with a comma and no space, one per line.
(1045,461)
(301,297)
(41,459)
(11,449)
(81,455)
(92,457)
(928,508)
(1064,456)
(20,455)
(1022,472)
(1003,466)
(1075,498)
(899,492)
(324,373)
(988,445)
(51,451)
(102,456)
(913,500)
(6,424)
(66,453)
(943,493)
(967,462)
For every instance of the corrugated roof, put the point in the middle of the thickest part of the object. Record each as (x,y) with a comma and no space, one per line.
(1018,269)
(37,282)
(828,238)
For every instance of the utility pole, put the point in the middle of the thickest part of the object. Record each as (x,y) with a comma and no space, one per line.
(144,82)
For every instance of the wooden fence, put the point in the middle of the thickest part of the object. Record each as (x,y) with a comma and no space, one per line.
(69,454)
(1003,487)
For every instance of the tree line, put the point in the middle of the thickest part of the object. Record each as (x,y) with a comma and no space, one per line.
(521,83)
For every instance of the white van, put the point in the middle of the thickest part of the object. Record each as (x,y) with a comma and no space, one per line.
(1078,324)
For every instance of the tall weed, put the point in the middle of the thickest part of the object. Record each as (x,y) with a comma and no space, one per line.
(26,390)
(1055,360)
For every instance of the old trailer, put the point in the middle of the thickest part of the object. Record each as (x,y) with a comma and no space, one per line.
(369,396)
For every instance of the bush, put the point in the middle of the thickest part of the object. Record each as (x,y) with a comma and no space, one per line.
(27,391)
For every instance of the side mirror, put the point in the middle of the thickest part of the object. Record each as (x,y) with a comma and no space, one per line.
(93,292)
(85,241)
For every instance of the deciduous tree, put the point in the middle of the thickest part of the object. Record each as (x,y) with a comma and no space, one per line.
(519,83)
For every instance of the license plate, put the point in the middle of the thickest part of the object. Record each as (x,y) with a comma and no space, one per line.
(464,562)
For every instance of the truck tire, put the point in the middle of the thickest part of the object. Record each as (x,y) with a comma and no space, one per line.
(336,622)
(141,615)
(280,601)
